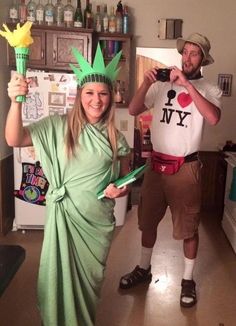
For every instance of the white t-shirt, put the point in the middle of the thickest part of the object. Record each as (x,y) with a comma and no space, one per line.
(177,124)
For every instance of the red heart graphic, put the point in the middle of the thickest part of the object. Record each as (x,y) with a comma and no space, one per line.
(184,99)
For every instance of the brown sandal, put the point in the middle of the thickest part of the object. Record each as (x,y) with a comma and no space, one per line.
(188,291)
(137,276)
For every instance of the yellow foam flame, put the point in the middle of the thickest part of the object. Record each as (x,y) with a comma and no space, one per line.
(20,37)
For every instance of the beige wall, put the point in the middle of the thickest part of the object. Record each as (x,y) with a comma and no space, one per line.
(4,78)
(214,18)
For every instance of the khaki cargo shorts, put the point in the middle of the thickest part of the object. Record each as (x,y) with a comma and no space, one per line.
(180,191)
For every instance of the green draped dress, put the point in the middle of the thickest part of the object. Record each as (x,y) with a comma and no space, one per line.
(79,227)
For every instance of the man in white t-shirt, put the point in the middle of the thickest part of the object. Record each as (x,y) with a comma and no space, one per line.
(182,100)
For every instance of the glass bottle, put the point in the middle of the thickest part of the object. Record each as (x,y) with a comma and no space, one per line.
(13,12)
(120,7)
(117,96)
(78,18)
(68,14)
(59,13)
(126,20)
(31,11)
(88,17)
(98,20)
(119,17)
(49,12)
(105,20)
(40,13)
(86,10)
(22,12)
(91,20)
(119,22)
(112,21)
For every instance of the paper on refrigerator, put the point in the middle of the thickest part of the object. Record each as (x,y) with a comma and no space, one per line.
(49,94)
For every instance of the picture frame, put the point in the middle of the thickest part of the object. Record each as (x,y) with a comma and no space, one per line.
(56,99)
(225,83)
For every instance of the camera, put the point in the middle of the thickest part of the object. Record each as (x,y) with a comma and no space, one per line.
(163,74)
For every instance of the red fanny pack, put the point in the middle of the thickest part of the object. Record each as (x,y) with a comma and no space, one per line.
(166,164)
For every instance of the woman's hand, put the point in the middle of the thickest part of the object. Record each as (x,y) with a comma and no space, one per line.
(112,191)
(18,85)
(15,133)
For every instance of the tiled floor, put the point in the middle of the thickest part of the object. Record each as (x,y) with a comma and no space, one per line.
(153,305)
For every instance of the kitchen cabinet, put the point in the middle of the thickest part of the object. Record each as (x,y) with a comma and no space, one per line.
(213,176)
(52,47)
(37,58)
(59,46)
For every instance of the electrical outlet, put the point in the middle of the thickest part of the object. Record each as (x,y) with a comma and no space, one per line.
(123,125)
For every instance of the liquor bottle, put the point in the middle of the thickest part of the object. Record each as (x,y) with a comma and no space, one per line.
(59,13)
(86,10)
(119,17)
(105,20)
(31,11)
(69,14)
(49,11)
(13,12)
(88,18)
(119,22)
(22,12)
(120,7)
(91,19)
(78,17)
(112,21)
(98,20)
(40,13)
(126,20)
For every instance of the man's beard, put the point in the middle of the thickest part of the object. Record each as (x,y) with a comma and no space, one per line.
(192,73)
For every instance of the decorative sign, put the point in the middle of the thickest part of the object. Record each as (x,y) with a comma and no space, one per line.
(34,184)
(169,28)
(225,83)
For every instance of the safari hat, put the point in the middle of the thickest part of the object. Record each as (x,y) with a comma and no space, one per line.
(202,42)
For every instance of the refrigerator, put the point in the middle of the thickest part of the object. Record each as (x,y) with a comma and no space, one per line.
(49,93)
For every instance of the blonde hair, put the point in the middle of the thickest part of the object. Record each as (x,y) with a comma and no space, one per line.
(76,120)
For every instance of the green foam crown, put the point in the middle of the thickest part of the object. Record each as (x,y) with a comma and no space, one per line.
(97,72)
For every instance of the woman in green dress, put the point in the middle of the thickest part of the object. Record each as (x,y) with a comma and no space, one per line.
(81,153)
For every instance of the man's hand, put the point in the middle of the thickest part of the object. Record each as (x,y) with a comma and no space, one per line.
(150,76)
(178,77)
